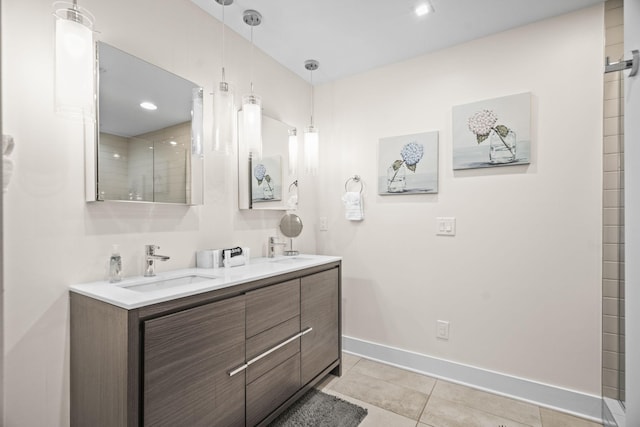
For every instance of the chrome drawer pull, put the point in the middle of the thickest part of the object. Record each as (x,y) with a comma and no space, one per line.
(238,370)
(279,346)
(268,352)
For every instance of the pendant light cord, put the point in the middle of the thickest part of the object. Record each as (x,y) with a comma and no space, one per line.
(223,31)
(74,14)
(251,64)
(311,74)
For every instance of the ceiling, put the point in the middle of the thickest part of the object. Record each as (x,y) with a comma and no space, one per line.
(351,36)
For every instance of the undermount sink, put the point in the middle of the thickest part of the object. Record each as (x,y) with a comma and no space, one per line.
(155,285)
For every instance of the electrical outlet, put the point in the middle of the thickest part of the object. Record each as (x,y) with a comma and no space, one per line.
(442,330)
(324,224)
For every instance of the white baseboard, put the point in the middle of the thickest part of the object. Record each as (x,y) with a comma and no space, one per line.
(549,396)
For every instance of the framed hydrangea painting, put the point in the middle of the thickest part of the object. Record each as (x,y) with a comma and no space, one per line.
(493,132)
(266,179)
(408,164)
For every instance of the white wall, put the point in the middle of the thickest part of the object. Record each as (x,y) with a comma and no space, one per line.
(520,283)
(537,317)
(53,238)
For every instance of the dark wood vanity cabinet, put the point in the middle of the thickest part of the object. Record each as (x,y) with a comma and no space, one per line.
(187,357)
(320,296)
(232,357)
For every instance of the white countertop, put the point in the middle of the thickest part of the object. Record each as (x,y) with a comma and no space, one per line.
(131,292)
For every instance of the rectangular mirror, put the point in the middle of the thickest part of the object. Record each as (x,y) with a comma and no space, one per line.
(270,182)
(148,145)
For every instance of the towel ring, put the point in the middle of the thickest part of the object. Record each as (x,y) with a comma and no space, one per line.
(293,184)
(356,179)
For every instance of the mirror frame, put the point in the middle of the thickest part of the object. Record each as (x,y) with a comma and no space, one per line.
(194,180)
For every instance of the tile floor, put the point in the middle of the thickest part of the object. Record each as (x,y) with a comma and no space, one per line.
(398,398)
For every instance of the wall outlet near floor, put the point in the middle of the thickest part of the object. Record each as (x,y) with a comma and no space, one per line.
(442,330)
(324,224)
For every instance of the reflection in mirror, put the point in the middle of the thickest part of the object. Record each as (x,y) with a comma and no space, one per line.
(149,132)
(292,196)
(267,183)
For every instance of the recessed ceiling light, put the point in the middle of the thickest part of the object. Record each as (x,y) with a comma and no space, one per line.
(116,156)
(173,143)
(148,105)
(424,8)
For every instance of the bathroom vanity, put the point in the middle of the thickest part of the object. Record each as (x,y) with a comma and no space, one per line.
(234,348)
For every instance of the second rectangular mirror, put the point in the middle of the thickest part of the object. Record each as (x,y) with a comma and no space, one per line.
(268,182)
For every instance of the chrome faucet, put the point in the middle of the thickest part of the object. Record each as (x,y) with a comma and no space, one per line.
(150,258)
(272,246)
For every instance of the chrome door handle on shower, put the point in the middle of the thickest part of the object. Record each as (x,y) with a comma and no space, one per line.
(625,64)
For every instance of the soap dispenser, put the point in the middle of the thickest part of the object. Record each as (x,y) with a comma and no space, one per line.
(115,265)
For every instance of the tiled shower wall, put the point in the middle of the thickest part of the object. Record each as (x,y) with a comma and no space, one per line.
(170,166)
(613,211)
(138,173)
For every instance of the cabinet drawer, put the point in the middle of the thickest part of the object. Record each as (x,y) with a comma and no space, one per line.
(269,391)
(270,306)
(268,339)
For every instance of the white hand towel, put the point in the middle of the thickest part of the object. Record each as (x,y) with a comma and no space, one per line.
(7,163)
(7,170)
(353,209)
(292,202)
(7,144)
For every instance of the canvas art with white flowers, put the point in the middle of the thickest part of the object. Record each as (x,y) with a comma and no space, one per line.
(266,180)
(493,132)
(408,164)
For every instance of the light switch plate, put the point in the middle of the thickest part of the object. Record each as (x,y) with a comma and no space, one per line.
(324,224)
(446,226)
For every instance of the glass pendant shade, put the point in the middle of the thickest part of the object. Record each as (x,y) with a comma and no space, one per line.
(196,123)
(311,149)
(252,125)
(293,151)
(74,61)
(224,110)
(311,154)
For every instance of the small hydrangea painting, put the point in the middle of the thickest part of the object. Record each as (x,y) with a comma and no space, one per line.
(408,164)
(494,132)
(266,180)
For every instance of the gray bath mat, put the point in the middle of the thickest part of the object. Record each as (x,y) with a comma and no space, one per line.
(317,409)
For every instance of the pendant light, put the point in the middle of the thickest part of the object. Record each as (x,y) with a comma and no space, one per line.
(311,132)
(197,139)
(293,151)
(224,108)
(74,61)
(252,103)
